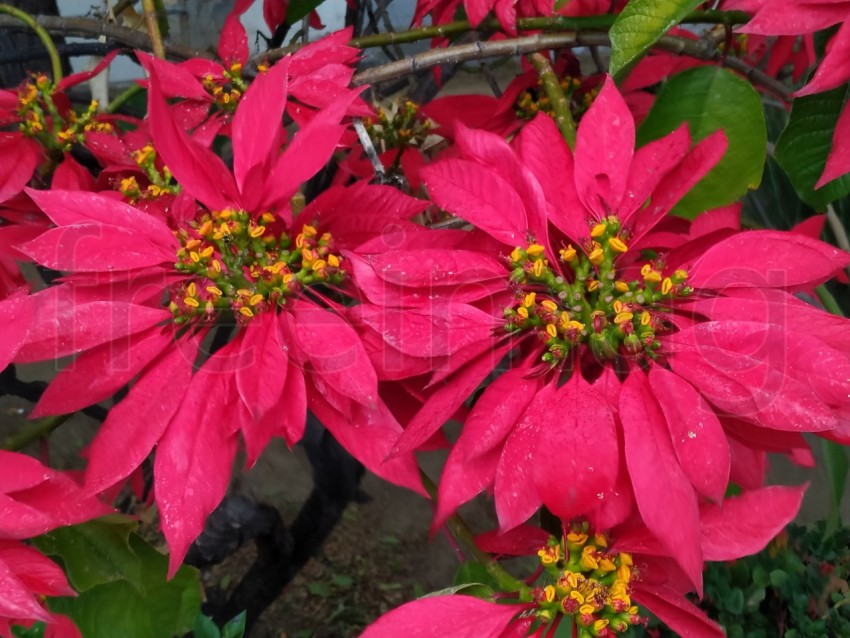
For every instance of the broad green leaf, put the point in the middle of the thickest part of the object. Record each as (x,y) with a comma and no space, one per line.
(710,98)
(205,628)
(640,25)
(805,143)
(95,553)
(836,462)
(158,608)
(299,9)
(235,627)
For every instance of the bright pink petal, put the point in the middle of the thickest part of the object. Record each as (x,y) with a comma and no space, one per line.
(767,258)
(838,160)
(429,268)
(195,455)
(261,375)
(461,481)
(139,420)
(257,129)
(36,571)
(833,70)
(665,499)
(16,314)
(447,399)
(19,157)
(577,454)
(99,373)
(443,616)
(309,150)
(652,162)
(179,80)
(16,599)
(480,196)
(543,150)
(335,353)
(604,148)
(677,613)
(698,437)
(744,525)
(197,169)
(233,41)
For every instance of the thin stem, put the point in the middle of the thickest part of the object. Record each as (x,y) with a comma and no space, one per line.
(39,430)
(152,24)
(461,531)
(828,300)
(23,16)
(122,98)
(557,99)
(526,44)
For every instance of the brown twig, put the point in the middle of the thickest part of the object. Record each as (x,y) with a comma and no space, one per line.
(528,44)
(90,28)
(153,28)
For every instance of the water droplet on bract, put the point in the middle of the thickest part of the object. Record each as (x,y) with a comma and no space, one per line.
(692,435)
(600,495)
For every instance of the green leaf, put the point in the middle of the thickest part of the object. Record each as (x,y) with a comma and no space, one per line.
(299,9)
(805,143)
(835,459)
(205,628)
(479,590)
(95,553)
(474,572)
(710,98)
(235,627)
(640,25)
(343,581)
(156,608)
(319,589)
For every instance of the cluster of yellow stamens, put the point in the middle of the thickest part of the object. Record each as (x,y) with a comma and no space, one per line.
(161,182)
(398,127)
(227,89)
(245,264)
(531,102)
(588,583)
(54,128)
(588,303)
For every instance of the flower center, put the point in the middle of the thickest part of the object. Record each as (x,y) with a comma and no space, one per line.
(534,101)
(160,182)
(237,263)
(42,120)
(227,90)
(588,583)
(589,303)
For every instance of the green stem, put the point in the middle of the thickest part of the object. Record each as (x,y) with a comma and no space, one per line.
(122,98)
(460,530)
(828,300)
(23,16)
(560,104)
(556,23)
(149,7)
(38,430)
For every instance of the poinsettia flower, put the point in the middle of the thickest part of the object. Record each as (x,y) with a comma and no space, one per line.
(231,250)
(319,75)
(26,577)
(626,368)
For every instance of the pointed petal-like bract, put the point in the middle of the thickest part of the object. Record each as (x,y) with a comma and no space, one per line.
(604,147)
(698,437)
(257,129)
(767,259)
(261,375)
(443,617)
(745,524)
(135,425)
(838,160)
(577,456)
(665,499)
(195,455)
(677,613)
(196,168)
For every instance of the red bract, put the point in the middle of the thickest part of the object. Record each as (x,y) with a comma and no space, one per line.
(794,17)
(33,500)
(631,375)
(318,77)
(233,253)
(26,577)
